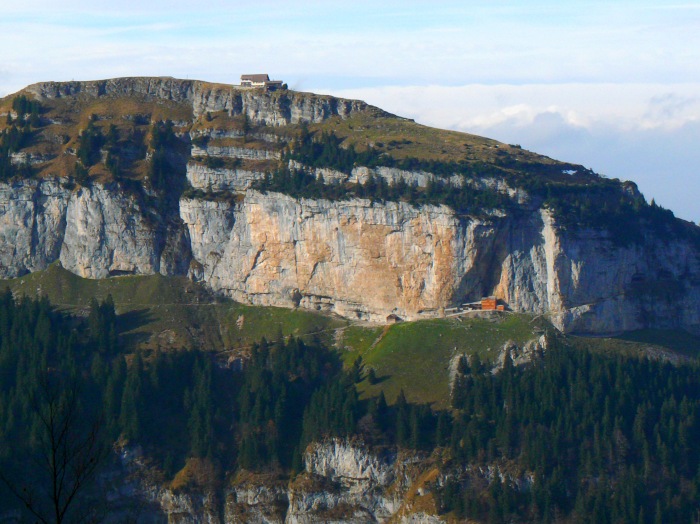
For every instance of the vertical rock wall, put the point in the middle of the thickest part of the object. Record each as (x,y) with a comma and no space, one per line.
(355,258)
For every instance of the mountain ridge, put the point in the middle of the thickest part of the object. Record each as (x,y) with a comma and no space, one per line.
(136,215)
(304,200)
(204,96)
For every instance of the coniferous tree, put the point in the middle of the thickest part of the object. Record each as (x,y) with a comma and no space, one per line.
(130,419)
(403,428)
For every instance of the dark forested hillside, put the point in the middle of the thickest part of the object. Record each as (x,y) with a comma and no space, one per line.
(573,436)
(606,439)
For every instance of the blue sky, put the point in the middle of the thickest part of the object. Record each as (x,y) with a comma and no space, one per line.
(614,85)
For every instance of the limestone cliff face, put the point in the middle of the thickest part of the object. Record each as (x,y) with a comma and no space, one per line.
(588,283)
(94,231)
(108,234)
(353,257)
(221,179)
(365,260)
(345,482)
(32,225)
(342,482)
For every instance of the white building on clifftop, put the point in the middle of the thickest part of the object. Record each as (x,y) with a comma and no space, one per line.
(260,80)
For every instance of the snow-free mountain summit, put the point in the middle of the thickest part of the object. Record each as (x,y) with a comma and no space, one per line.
(302,200)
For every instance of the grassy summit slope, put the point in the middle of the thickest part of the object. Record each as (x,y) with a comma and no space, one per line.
(64,118)
(401,138)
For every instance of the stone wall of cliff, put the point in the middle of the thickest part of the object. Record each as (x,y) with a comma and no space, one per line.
(343,481)
(355,257)
(271,249)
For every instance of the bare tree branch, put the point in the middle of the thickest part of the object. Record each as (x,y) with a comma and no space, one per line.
(68,455)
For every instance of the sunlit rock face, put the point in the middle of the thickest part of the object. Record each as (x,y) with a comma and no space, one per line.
(357,258)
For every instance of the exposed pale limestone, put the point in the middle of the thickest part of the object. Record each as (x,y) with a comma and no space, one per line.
(133,494)
(185,508)
(421,518)
(350,464)
(346,482)
(589,284)
(108,233)
(330,176)
(368,260)
(246,153)
(273,249)
(500,186)
(32,225)
(217,133)
(328,490)
(393,176)
(257,503)
(221,179)
(94,231)
(28,158)
(355,258)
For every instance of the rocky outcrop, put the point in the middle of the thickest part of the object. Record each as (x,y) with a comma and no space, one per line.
(343,481)
(185,508)
(257,503)
(590,284)
(23,158)
(95,231)
(271,249)
(329,176)
(108,234)
(355,257)
(136,492)
(350,464)
(32,225)
(227,151)
(393,176)
(346,482)
(221,179)
(261,107)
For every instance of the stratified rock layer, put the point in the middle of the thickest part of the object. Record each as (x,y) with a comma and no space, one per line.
(354,257)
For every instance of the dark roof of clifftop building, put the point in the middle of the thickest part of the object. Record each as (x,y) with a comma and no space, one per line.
(255,78)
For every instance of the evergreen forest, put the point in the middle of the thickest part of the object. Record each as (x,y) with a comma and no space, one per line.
(573,436)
